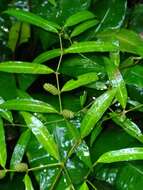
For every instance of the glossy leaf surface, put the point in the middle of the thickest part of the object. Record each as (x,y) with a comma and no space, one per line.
(42,134)
(24,67)
(28,105)
(96,111)
(79,17)
(36,20)
(126,154)
(93,46)
(81,81)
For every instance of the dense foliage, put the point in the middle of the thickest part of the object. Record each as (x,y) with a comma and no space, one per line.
(71,95)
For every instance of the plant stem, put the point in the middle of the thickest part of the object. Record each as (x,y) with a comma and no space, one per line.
(91,185)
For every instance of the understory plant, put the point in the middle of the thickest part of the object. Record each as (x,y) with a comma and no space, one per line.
(71,95)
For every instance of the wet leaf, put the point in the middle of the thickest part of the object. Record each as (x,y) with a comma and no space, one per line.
(30,105)
(3,150)
(34,19)
(83,27)
(41,133)
(96,111)
(81,81)
(20,148)
(93,46)
(79,17)
(7,115)
(28,183)
(130,127)
(24,67)
(127,154)
(117,82)
(47,56)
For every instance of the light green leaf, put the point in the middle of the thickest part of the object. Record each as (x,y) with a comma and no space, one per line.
(7,115)
(30,105)
(117,82)
(93,46)
(20,148)
(53,2)
(43,57)
(96,111)
(84,186)
(3,151)
(130,127)
(28,183)
(34,19)
(41,133)
(81,81)
(127,154)
(83,27)
(24,67)
(79,17)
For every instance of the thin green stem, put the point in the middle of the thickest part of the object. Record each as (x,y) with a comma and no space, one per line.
(136,107)
(69,179)
(91,184)
(45,166)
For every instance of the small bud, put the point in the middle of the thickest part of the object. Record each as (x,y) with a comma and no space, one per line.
(68,114)
(21,167)
(51,88)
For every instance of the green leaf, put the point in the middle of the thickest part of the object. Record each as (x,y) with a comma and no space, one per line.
(28,183)
(96,131)
(28,105)
(3,151)
(130,127)
(93,46)
(73,131)
(34,19)
(41,133)
(53,2)
(43,57)
(127,154)
(20,148)
(18,34)
(84,186)
(82,151)
(24,67)
(83,27)
(117,82)
(79,17)
(133,75)
(96,111)
(81,81)
(7,115)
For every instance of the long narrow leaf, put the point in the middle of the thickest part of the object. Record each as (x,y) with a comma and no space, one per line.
(3,150)
(24,67)
(34,19)
(96,111)
(41,133)
(28,183)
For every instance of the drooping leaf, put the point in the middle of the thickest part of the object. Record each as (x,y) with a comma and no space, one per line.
(117,82)
(47,56)
(93,46)
(24,67)
(130,127)
(34,19)
(81,81)
(3,150)
(83,27)
(28,105)
(96,111)
(41,133)
(20,148)
(79,17)
(28,183)
(5,113)
(127,154)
